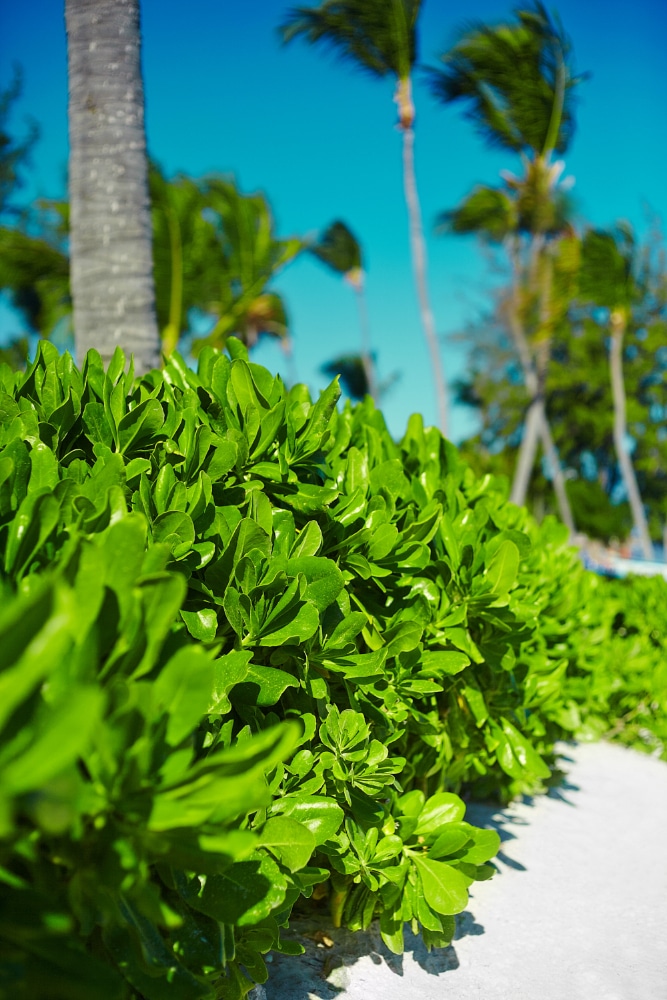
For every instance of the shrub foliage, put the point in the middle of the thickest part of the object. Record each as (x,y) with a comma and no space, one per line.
(252,651)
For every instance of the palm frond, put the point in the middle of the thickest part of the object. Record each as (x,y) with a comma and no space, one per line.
(352,372)
(486,211)
(338,248)
(36,276)
(378,36)
(607,264)
(516,80)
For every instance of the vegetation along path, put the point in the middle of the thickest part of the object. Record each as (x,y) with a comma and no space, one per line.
(577,911)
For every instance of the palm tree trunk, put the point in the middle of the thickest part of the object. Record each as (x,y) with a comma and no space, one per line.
(525,462)
(366,354)
(536,426)
(172,332)
(521,481)
(419,251)
(110,242)
(618,325)
(557,477)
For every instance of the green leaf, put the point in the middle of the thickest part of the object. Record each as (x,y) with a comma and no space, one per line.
(229,670)
(324,579)
(453,837)
(97,424)
(486,844)
(445,889)
(43,468)
(58,742)
(36,519)
(174,528)
(201,625)
(308,542)
(183,690)
(300,625)
(265,686)
(320,414)
(294,842)
(140,424)
(476,703)
(389,476)
(244,894)
(446,662)
(502,570)
(322,816)
(439,809)
(522,752)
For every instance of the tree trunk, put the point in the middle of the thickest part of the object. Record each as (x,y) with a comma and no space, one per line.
(355,278)
(110,241)
(537,425)
(522,479)
(418,247)
(366,353)
(618,324)
(557,477)
(171,335)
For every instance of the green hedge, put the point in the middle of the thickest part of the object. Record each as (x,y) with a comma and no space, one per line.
(252,650)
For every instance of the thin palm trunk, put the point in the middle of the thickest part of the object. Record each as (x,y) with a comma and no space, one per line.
(365,331)
(418,246)
(172,332)
(110,241)
(620,431)
(557,477)
(540,284)
(538,427)
(527,451)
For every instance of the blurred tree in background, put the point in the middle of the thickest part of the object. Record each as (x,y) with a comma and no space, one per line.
(340,250)
(516,81)
(380,37)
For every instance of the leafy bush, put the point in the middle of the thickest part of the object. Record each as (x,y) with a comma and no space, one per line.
(252,650)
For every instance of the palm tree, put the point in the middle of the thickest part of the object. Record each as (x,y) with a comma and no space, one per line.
(214,251)
(380,37)
(500,215)
(184,250)
(112,267)
(243,257)
(517,83)
(609,279)
(340,250)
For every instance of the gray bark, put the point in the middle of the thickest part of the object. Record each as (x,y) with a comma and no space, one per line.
(537,423)
(620,432)
(527,451)
(419,264)
(557,477)
(110,241)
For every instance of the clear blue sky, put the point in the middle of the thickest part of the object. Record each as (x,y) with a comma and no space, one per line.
(319,139)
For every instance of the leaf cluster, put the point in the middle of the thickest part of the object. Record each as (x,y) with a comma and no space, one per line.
(254,652)
(378,36)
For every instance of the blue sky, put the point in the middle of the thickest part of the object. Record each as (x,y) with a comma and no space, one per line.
(319,139)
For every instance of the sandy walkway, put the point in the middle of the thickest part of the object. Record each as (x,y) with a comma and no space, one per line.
(578,911)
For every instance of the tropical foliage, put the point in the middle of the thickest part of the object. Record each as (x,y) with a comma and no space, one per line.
(215,254)
(252,646)
(517,84)
(580,403)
